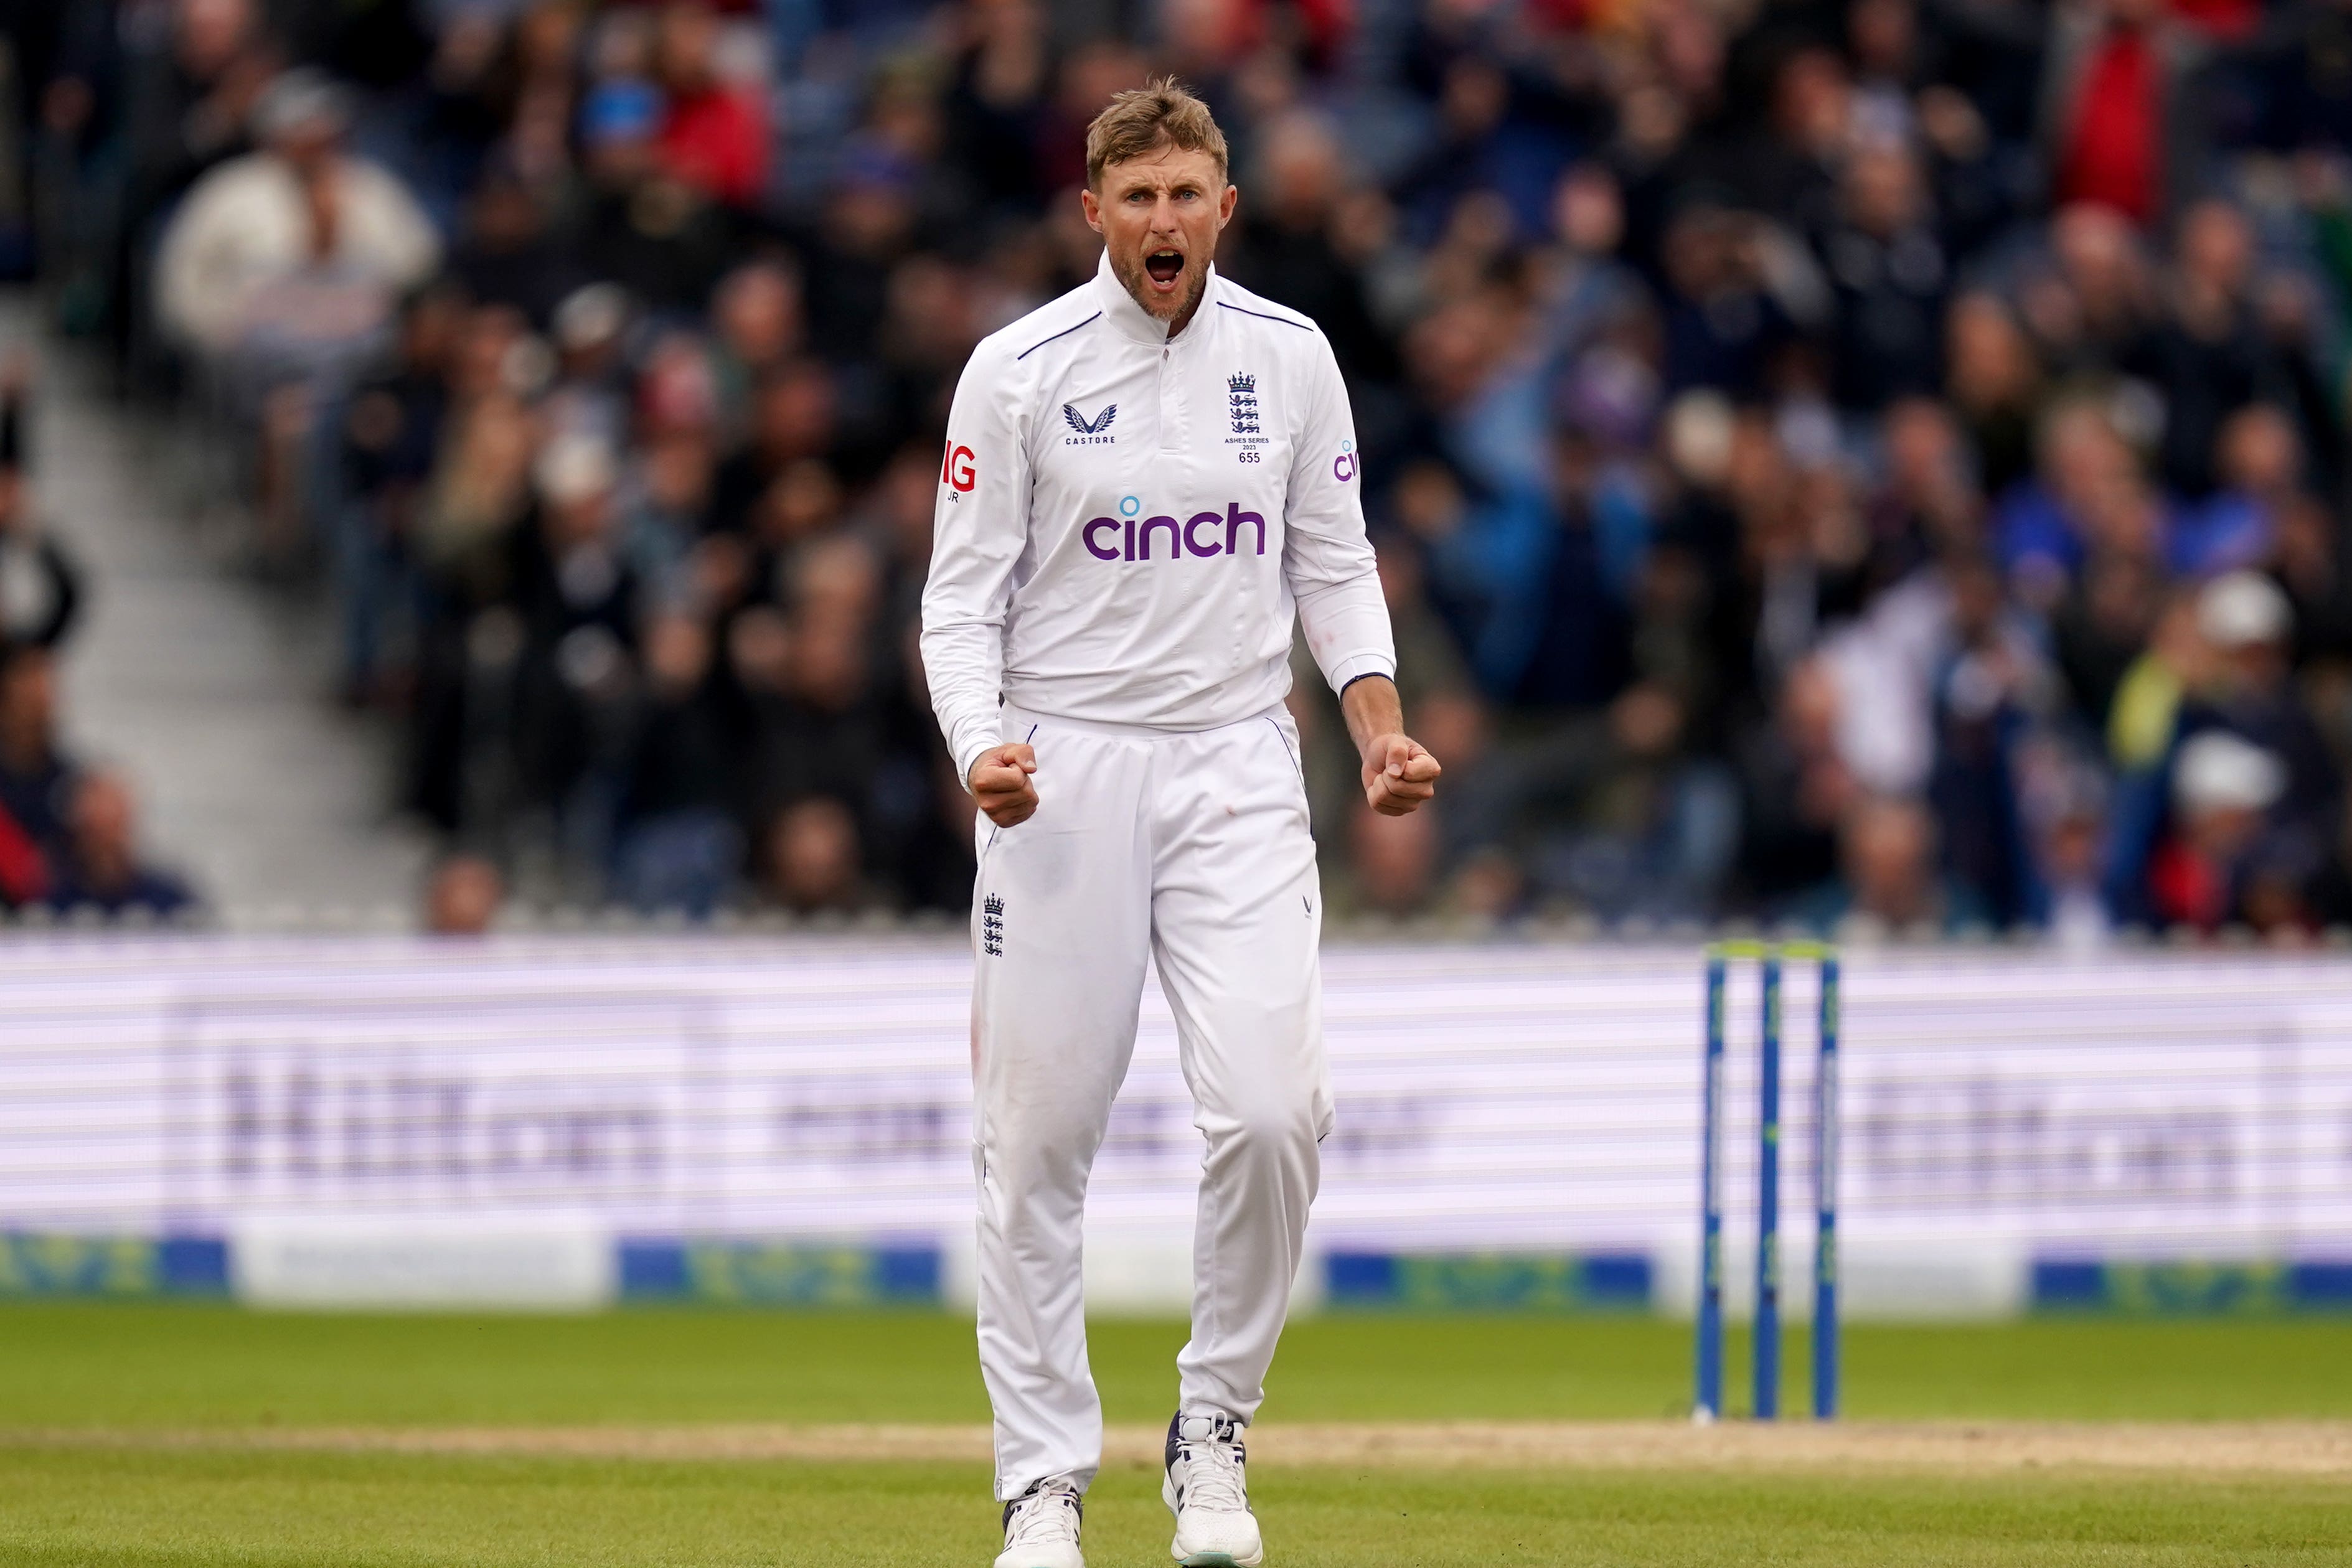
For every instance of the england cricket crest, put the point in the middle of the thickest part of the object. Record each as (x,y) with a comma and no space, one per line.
(991,926)
(1241,402)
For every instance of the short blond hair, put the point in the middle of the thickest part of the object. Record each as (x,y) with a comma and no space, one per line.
(1160,113)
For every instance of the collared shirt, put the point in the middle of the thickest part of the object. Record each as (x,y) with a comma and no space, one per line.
(1128,523)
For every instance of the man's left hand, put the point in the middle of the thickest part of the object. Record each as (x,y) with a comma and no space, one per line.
(1399,775)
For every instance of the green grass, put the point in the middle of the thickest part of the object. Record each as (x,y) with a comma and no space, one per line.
(144,1366)
(119,1366)
(297,1510)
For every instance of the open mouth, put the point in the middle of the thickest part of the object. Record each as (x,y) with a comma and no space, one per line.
(1164,267)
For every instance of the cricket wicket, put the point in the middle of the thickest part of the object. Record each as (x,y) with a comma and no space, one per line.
(1770,957)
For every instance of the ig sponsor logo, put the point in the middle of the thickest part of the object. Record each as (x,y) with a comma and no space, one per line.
(955,471)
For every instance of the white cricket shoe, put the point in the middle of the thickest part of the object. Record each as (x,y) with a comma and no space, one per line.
(1041,1528)
(1208,1490)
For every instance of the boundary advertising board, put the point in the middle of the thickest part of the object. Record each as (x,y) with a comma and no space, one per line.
(410,1120)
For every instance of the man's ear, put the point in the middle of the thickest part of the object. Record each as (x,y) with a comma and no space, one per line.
(1225,206)
(1090,204)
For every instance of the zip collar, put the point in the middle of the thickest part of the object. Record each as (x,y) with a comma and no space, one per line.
(1132,320)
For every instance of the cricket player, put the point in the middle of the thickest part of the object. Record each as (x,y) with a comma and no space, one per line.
(1144,482)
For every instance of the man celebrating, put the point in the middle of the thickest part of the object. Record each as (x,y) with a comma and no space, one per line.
(1144,481)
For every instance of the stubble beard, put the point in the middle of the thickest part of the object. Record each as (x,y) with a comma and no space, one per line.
(1132,277)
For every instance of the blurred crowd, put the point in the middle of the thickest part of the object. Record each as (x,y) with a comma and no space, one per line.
(69,830)
(1830,460)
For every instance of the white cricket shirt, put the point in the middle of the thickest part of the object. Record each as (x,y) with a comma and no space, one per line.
(1128,522)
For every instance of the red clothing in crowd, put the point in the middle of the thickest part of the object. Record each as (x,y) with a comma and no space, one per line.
(2225,19)
(23,870)
(2114,153)
(717,142)
(2187,889)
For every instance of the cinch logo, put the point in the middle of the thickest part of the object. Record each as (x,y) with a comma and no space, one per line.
(1204,533)
(1348,465)
(957,472)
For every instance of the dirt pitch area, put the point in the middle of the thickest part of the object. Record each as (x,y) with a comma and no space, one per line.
(2306,1448)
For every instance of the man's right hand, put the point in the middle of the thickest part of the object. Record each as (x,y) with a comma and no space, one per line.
(1000,783)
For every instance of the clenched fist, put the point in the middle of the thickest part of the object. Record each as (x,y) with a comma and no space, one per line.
(1399,775)
(1000,783)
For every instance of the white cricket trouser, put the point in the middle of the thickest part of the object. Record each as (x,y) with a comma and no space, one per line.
(1192,849)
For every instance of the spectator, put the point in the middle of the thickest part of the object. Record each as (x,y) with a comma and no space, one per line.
(2074,907)
(813,858)
(299,207)
(99,865)
(794,419)
(1724,325)
(278,274)
(2223,789)
(1886,263)
(588,393)
(757,321)
(390,431)
(2247,623)
(714,133)
(657,236)
(186,107)
(2115,86)
(1797,788)
(1992,696)
(575,599)
(36,776)
(2109,616)
(1886,858)
(462,896)
(998,103)
(2207,355)
(679,844)
(188,104)
(510,255)
(1992,382)
(40,586)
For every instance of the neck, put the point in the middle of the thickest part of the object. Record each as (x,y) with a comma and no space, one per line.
(1184,312)
(1191,309)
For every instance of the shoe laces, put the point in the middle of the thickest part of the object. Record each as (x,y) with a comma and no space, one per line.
(1046,1514)
(1210,1446)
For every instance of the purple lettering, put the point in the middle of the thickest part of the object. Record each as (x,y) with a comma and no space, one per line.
(1235,519)
(1196,536)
